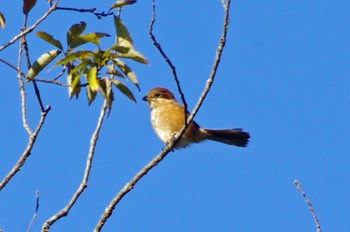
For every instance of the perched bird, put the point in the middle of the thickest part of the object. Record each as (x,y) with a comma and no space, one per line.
(167,118)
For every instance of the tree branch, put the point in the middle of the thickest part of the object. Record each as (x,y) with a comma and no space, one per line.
(29,65)
(308,202)
(22,92)
(31,28)
(36,211)
(64,212)
(92,11)
(166,58)
(27,151)
(12,66)
(131,184)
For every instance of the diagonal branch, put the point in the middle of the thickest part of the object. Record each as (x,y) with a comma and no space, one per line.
(13,67)
(32,135)
(131,184)
(64,212)
(27,151)
(166,58)
(31,28)
(308,202)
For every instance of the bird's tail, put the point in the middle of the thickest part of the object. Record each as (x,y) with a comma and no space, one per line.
(236,137)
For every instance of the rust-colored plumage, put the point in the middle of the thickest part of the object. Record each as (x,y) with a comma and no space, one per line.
(167,118)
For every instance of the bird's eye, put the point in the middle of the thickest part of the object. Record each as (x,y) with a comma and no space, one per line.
(157,94)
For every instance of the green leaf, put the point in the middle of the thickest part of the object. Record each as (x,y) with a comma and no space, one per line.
(107,91)
(73,80)
(91,77)
(42,62)
(90,94)
(94,37)
(127,71)
(2,21)
(28,5)
(131,54)
(88,38)
(80,55)
(121,3)
(75,31)
(80,68)
(125,90)
(124,44)
(49,38)
(123,36)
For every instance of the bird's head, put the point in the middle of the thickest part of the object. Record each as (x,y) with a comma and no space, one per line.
(158,96)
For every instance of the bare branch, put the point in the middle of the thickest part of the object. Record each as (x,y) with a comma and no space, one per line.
(44,112)
(36,211)
(61,73)
(13,67)
(308,202)
(131,184)
(223,3)
(166,58)
(27,151)
(50,82)
(92,11)
(64,212)
(23,93)
(218,55)
(31,28)
(29,65)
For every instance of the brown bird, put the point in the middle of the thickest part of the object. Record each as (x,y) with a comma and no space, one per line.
(167,118)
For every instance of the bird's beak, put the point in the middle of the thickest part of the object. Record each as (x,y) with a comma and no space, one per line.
(145,98)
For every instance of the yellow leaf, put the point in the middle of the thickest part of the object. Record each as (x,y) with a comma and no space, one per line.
(91,77)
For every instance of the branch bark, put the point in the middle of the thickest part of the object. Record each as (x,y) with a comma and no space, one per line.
(308,202)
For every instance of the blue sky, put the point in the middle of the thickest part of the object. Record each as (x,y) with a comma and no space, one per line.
(284,77)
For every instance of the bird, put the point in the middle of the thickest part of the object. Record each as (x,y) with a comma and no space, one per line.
(168,117)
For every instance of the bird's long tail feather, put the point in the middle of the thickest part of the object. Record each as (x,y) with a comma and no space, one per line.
(236,137)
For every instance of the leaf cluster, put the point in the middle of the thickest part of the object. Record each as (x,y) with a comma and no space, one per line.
(96,70)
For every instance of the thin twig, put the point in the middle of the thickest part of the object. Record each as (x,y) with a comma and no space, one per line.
(22,93)
(216,63)
(308,202)
(57,82)
(36,211)
(166,58)
(223,3)
(31,28)
(131,184)
(61,73)
(13,67)
(27,151)
(92,11)
(50,82)
(64,212)
(29,65)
